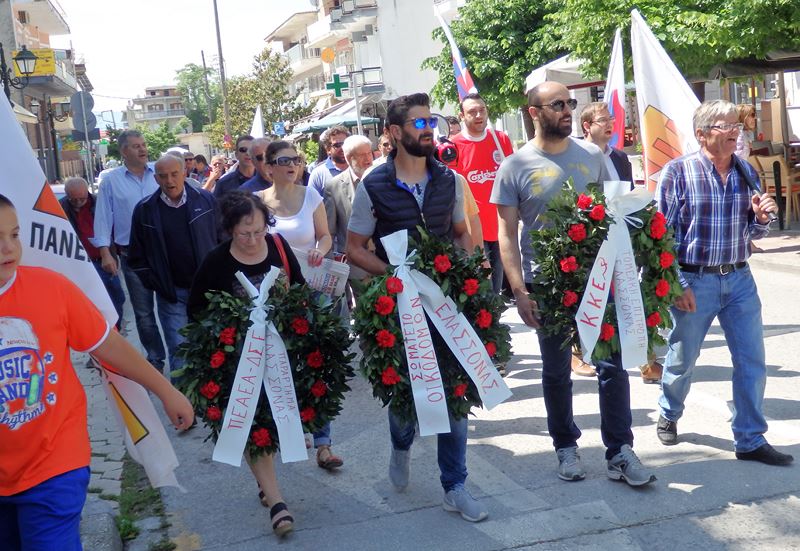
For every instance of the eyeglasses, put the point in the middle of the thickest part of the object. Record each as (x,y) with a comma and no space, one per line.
(726,127)
(559,104)
(421,122)
(337,145)
(387,144)
(260,158)
(246,236)
(605,120)
(287,161)
(242,150)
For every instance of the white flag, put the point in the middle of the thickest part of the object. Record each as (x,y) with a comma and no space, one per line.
(666,102)
(257,128)
(49,241)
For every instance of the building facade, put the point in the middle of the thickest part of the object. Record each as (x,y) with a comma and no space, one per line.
(159,104)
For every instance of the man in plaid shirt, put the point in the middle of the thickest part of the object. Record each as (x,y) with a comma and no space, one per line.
(706,197)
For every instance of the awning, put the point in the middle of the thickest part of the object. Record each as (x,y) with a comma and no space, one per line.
(344,115)
(773,62)
(564,70)
(23,115)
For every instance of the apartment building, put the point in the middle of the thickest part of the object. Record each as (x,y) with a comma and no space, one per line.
(159,104)
(379,43)
(40,102)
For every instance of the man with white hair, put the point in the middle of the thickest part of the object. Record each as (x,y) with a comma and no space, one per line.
(710,198)
(262,179)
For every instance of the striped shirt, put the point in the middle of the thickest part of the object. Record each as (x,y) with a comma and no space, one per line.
(713,222)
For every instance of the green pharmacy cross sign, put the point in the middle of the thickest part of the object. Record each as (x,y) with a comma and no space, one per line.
(337,86)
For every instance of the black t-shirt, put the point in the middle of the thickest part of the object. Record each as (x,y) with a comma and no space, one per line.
(218,269)
(229,182)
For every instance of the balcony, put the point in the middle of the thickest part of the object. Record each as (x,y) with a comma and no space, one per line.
(46,15)
(157,115)
(57,77)
(352,16)
(302,58)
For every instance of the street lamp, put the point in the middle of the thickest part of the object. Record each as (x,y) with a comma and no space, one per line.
(53,112)
(25,60)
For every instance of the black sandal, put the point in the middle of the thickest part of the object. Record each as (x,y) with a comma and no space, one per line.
(283,525)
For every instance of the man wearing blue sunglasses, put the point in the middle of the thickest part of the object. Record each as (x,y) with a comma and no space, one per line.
(413,189)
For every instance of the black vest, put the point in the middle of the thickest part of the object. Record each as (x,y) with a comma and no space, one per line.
(395,207)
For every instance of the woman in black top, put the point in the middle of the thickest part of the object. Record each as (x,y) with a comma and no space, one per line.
(252,251)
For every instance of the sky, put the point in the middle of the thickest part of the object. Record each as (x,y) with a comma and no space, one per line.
(128,45)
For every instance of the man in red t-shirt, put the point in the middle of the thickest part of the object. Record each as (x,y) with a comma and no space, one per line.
(480,152)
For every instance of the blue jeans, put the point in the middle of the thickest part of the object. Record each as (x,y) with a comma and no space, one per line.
(451,449)
(613,389)
(173,317)
(114,289)
(144,312)
(492,251)
(733,299)
(47,516)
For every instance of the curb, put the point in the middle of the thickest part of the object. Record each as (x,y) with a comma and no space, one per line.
(98,529)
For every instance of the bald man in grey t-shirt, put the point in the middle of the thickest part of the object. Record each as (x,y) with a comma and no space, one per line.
(525,184)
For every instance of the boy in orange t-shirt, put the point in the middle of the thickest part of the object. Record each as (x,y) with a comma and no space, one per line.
(44,440)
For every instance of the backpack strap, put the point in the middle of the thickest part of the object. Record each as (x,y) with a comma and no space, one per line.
(276,238)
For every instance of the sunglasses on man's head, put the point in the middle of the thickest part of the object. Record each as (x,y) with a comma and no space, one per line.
(287,161)
(559,104)
(242,150)
(421,122)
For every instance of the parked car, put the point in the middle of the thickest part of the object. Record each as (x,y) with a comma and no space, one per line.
(58,190)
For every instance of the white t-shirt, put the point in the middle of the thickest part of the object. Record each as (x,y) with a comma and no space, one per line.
(298,229)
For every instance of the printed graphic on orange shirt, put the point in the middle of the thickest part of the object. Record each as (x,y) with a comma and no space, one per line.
(22,374)
(48,203)
(664,143)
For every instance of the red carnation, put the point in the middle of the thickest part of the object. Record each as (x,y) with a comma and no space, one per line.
(394,285)
(584,201)
(385,338)
(314,360)
(209,390)
(483,319)
(470,287)
(662,288)
(606,332)
(300,326)
(569,298)
(659,219)
(227,335)
(666,259)
(653,319)
(568,264)
(389,376)
(460,390)
(491,349)
(319,389)
(577,232)
(441,263)
(307,414)
(597,213)
(657,232)
(261,438)
(217,359)
(213,413)
(384,305)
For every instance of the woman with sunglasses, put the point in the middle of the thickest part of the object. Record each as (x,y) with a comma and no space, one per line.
(301,219)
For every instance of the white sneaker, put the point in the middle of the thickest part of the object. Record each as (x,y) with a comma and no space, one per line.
(459,500)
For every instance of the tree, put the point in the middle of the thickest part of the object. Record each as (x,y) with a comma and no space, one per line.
(266,86)
(191,85)
(158,140)
(697,35)
(502,42)
(113,145)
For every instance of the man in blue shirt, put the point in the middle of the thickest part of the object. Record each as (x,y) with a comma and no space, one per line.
(707,198)
(262,179)
(333,141)
(243,172)
(120,190)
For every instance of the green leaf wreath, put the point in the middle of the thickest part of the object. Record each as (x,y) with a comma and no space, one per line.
(316,342)
(565,250)
(461,277)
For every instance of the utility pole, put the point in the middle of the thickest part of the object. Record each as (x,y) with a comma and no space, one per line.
(205,85)
(224,86)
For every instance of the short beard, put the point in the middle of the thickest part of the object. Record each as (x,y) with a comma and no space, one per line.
(416,149)
(555,132)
